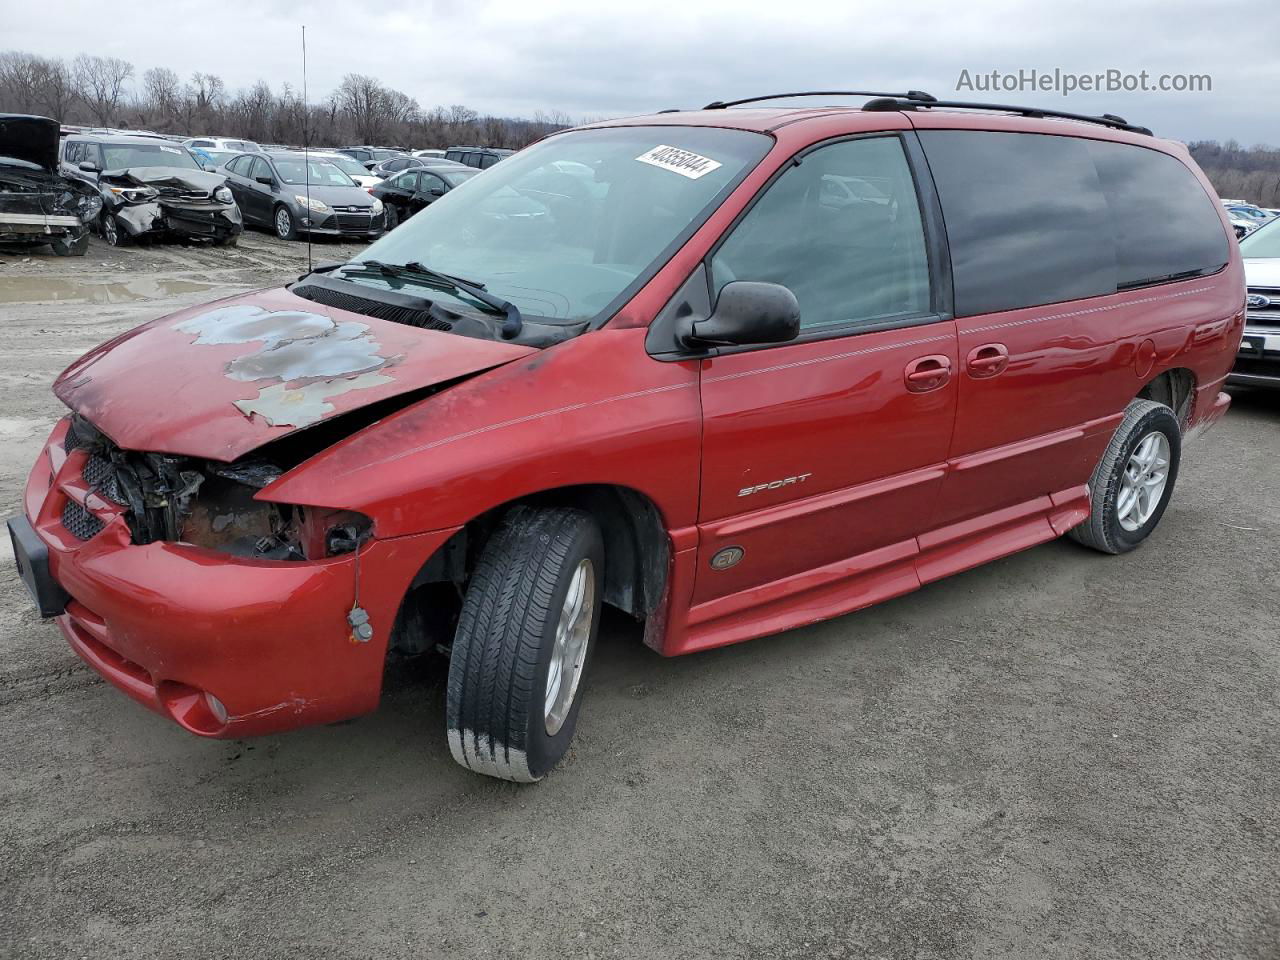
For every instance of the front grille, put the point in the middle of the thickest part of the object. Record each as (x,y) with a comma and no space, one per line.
(354,222)
(411,316)
(101,477)
(1264,316)
(80,523)
(184,195)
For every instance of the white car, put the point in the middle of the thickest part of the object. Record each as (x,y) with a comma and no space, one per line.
(1258,362)
(351,167)
(222,143)
(427,153)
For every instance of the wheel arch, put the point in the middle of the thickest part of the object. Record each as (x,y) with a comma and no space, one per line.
(1175,388)
(637,550)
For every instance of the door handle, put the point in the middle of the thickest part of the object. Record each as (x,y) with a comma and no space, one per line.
(988,360)
(927,373)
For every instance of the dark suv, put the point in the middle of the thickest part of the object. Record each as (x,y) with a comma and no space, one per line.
(480,157)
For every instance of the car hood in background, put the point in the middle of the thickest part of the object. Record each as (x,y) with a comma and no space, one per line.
(33,139)
(179,177)
(220,380)
(352,196)
(1260,272)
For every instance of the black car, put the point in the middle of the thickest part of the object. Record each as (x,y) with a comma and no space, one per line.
(292,193)
(408,192)
(389,168)
(151,186)
(370,156)
(36,204)
(482,158)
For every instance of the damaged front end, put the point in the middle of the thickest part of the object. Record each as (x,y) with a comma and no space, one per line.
(159,200)
(203,503)
(36,204)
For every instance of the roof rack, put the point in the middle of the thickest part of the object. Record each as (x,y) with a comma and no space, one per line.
(917,96)
(910,102)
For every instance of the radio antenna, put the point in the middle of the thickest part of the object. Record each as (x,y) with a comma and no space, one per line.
(306,139)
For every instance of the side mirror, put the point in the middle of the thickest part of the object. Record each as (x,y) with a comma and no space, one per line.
(747,312)
(370,164)
(88,166)
(266,180)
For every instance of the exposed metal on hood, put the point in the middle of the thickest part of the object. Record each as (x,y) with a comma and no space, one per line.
(220,380)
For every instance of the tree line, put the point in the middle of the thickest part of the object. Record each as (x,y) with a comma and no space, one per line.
(1241,173)
(108,92)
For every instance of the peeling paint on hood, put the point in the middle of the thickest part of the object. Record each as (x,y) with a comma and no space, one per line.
(219,380)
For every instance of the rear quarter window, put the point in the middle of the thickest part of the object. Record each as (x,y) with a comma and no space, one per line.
(1165,222)
(1033,219)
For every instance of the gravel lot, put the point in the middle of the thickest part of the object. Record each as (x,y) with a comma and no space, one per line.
(1060,754)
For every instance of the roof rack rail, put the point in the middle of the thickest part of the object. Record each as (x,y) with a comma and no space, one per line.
(914,103)
(918,96)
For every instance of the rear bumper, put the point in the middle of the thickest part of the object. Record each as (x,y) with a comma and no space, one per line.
(167,623)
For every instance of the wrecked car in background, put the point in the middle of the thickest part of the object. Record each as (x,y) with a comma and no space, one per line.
(152,187)
(37,205)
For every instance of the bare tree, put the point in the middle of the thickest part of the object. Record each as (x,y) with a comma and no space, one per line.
(19,79)
(100,83)
(163,90)
(56,90)
(365,102)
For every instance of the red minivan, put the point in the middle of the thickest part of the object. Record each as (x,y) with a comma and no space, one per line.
(730,371)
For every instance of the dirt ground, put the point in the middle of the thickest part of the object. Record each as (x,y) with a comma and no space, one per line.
(1058,755)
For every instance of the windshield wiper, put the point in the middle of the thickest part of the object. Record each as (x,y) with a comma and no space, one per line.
(510,326)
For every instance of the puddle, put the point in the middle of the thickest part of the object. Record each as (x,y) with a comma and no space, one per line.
(59,290)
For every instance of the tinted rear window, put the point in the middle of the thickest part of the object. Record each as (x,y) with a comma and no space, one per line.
(1165,223)
(1035,219)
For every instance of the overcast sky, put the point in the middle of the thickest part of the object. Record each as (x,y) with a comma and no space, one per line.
(595,59)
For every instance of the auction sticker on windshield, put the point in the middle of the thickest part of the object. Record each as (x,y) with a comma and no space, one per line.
(679,161)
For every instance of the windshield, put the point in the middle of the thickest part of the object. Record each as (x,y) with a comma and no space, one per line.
(119,156)
(352,168)
(567,226)
(1263,243)
(323,173)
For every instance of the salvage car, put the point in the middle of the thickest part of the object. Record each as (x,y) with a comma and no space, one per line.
(292,193)
(482,158)
(1258,362)
(150,187)
(37,205)
(713,394)
(405,194)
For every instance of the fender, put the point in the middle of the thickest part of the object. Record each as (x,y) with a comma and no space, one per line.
(593,410)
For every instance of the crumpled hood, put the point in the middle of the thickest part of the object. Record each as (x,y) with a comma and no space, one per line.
(222,379)
(33,139)
(169,177)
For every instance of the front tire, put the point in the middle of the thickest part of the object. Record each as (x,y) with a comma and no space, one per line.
(282,220)
(1132,483)
(391,217)
(525,636)
(112,231)
(72,248)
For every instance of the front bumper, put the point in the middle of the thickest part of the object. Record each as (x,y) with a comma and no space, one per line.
(213,221)
(1258,360)
(167,623)
(19,227)
(344,224)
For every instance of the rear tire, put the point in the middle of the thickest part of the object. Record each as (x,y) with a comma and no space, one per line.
(524,641)
(1132,483)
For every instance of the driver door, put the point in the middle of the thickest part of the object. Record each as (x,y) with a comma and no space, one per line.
(823,457)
